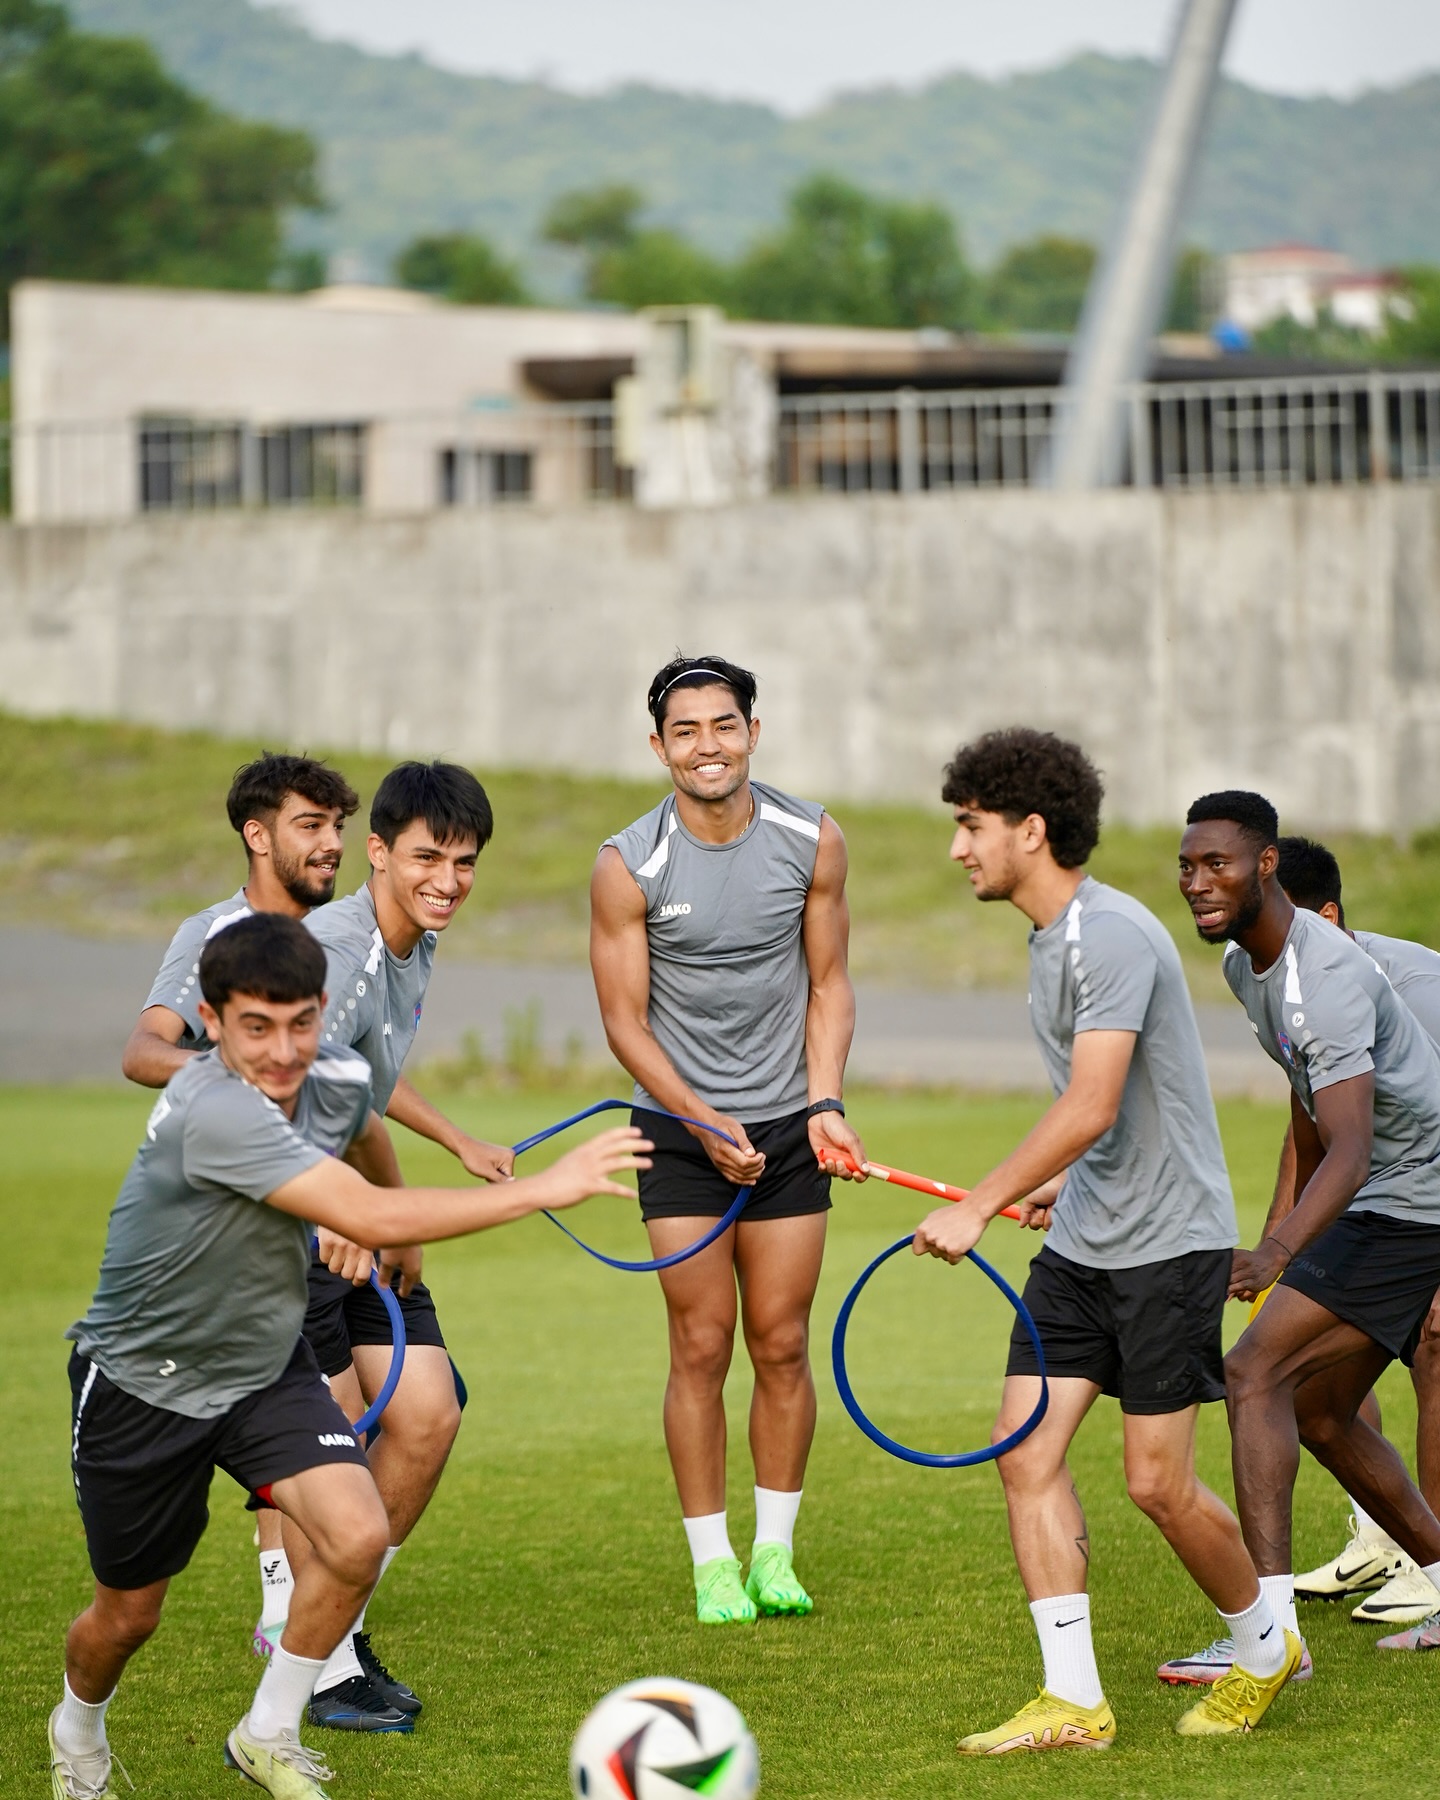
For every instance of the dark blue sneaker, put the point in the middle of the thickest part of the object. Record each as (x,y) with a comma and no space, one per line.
(382,1682)
(354,1705)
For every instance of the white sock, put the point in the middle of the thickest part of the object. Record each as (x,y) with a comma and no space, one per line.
(775,1516)
(1065,1643)
(1258,1638)
(1432,1572)
(343,1664)
(80,1729)
(1364,1520)
(708,1537)
(277,1584)
(385,1562)
(281,1697)
(1279,1590)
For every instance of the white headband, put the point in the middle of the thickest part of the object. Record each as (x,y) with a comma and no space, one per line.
(685,675)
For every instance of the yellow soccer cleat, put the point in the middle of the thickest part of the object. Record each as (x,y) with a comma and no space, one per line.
(284,1768)
(1047,1723)
(1240,1700)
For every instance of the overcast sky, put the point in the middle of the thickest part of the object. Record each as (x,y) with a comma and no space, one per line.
(794,52)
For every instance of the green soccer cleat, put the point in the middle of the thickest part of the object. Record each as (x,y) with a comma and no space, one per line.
(284,1768)
(719,1597)
(773,1584)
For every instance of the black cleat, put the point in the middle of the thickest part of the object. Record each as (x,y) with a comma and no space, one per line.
(382,1682)
(354,1705)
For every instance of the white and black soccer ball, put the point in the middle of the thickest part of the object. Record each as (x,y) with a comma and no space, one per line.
(663,1739)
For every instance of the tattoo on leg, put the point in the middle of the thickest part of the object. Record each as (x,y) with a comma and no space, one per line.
(1082,1543)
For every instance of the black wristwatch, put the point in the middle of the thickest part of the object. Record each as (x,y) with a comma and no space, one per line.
(825,1106)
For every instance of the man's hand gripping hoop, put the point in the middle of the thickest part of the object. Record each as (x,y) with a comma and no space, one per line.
(371,1415)
(651,1264)
(926,1459)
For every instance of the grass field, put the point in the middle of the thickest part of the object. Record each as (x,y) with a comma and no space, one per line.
(122,829)
(551,1566)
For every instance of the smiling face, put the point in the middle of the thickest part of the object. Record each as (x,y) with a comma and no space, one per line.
(706,743)
(991,849)
(419,879)
(1222,877)
(304,843)
(271,1044)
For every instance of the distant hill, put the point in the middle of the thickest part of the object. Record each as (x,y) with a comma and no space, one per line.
(410,147)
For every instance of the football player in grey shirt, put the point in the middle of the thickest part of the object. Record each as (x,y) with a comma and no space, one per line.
(290,814)
(1358,1259)
(1127,1173)
(189,1358)
(428,825)
(1310,876)
(718,942)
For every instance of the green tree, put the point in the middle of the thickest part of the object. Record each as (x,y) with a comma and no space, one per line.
(846,257)
(1192,291)
(1040,285)
(112,171)
(1325,341)
(627,264)
(461,266)
(1413,335)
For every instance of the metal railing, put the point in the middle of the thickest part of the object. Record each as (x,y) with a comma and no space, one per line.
(89,470)
(1301,431)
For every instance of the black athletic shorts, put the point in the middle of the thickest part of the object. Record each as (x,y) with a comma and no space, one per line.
(683,1183)
(341,1314)
(143,1474)
(1148,1336)
(1377,1273)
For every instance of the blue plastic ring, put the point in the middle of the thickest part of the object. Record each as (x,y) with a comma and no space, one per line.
(925,1458)
(368,1419)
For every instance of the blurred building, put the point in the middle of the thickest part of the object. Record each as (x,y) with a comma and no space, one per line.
(1301,282)
(130,400)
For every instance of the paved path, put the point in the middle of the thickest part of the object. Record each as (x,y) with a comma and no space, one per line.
(69,1002)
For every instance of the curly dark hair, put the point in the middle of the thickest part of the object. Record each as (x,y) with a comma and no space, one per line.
(1310,875)
(1017,772)
(259,788)
(1252,812)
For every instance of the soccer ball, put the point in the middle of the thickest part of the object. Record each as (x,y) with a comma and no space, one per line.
(661,1739)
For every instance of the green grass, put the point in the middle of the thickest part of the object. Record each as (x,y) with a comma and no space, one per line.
(551,1566)
(120,829)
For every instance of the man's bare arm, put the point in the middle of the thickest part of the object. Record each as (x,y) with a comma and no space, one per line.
(620,962)
(1282,1203)
(1080,1117)
(830,1011)
(152,1052)
(333,1194)
(1332,1163)
(490,1162)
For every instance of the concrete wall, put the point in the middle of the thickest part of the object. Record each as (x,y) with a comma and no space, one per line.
(1191,641)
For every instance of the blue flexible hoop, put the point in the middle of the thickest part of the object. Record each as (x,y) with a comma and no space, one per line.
(370,1417)
(925,1458)
(651,1264)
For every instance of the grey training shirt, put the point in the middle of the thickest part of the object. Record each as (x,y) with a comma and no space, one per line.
(177,985)
(203,1287)
(1326,1013)
(1155,1185)
(375,999)
(1413,972)
(729,984)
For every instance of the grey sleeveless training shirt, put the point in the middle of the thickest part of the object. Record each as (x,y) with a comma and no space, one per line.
(729,985)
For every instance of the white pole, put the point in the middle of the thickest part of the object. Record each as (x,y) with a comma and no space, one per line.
(1128,291)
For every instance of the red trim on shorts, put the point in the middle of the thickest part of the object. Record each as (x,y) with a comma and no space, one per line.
(262,1494)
